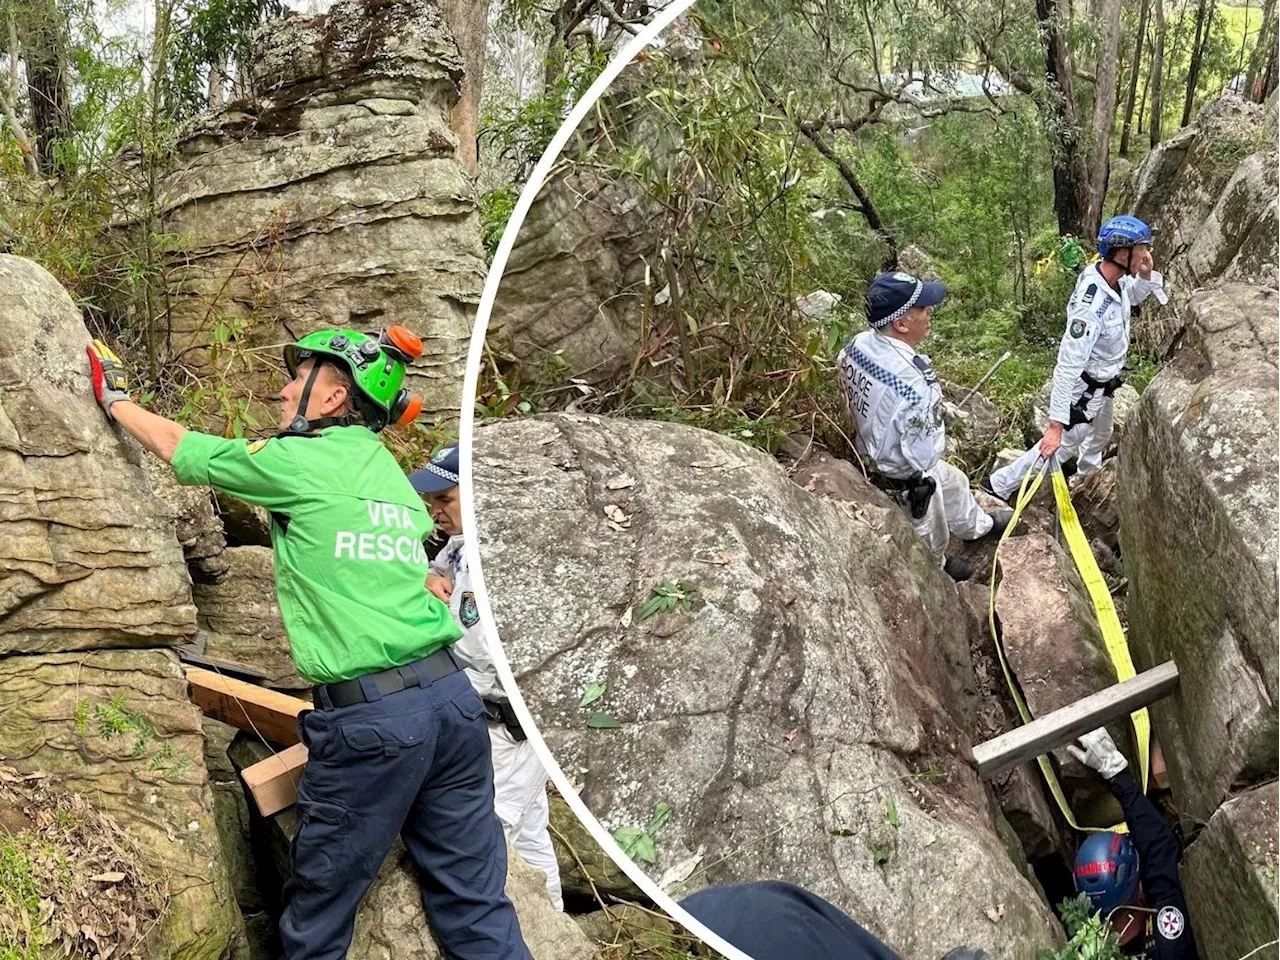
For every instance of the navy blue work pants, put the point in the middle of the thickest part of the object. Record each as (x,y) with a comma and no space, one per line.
(414,764)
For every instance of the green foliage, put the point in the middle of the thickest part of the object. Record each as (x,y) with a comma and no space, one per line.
(1090,937)
(602,721)
(19,897)
(496,208)
(667,595)
(638,843)
(591,693)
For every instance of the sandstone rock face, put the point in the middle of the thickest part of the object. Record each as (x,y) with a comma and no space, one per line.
(116,727)
(1097,506)
(1210,194)
(798,718)
(1198,528)
(242,621)
(1051,639)
(573,290)
(89,557)
(1229,875)
(195,522)
(333,199)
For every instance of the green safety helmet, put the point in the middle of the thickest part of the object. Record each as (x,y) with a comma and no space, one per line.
(376,365)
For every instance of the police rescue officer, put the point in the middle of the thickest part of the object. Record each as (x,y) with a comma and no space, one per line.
(895,401)
(397,743)
(1092,353)
(1133,879)
(519,779)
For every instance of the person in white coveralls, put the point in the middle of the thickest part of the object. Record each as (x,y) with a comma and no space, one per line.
(519,779)
(895,402)
(1092,354)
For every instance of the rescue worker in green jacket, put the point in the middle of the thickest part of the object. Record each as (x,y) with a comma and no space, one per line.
(398,743)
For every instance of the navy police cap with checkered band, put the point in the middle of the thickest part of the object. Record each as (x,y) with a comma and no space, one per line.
(891,295)
(439,475)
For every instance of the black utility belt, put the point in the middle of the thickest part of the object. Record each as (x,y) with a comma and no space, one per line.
(501,712)
(347,693)
(915,491)
(1092,387)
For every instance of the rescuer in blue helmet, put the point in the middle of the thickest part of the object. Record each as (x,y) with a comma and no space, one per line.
(1132,879)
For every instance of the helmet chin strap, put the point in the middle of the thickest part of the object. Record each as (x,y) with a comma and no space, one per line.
(300,425)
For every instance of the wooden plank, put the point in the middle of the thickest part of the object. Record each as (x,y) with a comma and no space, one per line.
(1056,729)
(190,653)
(247,706)
(1158,771)
(273,782)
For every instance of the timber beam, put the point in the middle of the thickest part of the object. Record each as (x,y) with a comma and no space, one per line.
(1056,729)
(247,706)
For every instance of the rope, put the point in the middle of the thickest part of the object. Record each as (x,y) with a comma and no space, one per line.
(1108,621)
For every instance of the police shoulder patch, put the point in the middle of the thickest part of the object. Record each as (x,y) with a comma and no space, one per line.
(468,612)
(1077,328)
(1170,923)
(257,445)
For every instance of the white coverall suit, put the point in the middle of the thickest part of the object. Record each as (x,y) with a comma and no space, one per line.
(519,779)
(1096,342)
(895,401)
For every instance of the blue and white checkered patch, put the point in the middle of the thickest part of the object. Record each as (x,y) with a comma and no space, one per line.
(891,380)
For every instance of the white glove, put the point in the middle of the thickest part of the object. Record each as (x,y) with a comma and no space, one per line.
(1098,751)
(1152,286)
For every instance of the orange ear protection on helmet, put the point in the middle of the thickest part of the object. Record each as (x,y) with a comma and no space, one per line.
(401,340)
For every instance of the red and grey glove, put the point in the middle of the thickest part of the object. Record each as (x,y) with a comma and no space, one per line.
(107,372)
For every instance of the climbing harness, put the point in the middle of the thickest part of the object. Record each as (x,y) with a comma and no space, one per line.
(1113,637)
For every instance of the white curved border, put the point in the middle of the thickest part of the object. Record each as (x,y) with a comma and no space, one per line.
(465,431)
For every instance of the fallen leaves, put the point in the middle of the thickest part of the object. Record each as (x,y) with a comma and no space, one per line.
(618,518)
(623,482)
(996,914)
(89,897)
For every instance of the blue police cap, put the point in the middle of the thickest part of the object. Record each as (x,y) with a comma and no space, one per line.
(439,475)
(891,295)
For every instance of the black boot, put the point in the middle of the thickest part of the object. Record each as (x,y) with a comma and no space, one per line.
(1000,521)
(958,569)
(985,484)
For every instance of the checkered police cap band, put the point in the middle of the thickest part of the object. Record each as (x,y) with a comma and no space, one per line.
(902,310)
(440,471)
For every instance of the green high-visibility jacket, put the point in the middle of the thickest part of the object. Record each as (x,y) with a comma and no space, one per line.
(347,529)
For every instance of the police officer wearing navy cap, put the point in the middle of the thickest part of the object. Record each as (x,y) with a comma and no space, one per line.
(895,402)
(519,779)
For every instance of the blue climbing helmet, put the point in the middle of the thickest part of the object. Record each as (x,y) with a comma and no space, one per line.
(1107,870)
(1120,232)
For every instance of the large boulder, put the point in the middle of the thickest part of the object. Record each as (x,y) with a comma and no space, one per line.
(333,199)
(803,717)
(88,553)
(1229,875)
(116,727)
(195,522)
(241,620)
(391,924)
(1050,635)
(972,430)
(1198,528)
(1210,194)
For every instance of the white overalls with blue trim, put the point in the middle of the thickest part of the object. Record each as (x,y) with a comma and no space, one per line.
(895,402)
(1095,342)
(519,779)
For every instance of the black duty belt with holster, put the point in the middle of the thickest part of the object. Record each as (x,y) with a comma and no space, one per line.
(915,491)
(1092,387)
(501,711)
(347,693)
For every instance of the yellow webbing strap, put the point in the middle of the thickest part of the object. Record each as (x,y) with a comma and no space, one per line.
(1112,633)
